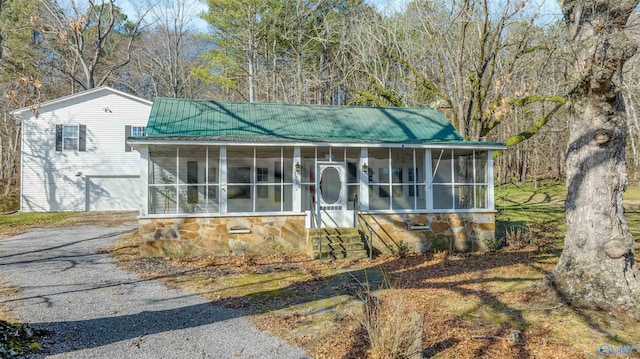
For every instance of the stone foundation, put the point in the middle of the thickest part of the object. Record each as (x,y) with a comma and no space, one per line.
(221,236)
(461,232)
(184,237)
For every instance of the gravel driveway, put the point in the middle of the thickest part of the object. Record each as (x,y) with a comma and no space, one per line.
(92,309)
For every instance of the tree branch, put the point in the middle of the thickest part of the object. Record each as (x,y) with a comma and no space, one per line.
(492,110)
(514,140)
(431,88)
(368,98)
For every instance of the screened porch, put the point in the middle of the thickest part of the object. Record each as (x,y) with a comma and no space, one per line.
(219,180)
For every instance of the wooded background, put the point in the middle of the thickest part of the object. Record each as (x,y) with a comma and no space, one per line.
(497,69)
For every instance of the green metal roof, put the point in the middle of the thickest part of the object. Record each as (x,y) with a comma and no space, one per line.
(202,120)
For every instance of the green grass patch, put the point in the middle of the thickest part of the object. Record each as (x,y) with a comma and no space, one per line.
(21,219)
(19,222)
(520,205)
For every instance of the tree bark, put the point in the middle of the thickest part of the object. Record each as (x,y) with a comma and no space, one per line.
(597,267)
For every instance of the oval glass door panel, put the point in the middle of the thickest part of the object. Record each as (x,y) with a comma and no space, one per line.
(330,185)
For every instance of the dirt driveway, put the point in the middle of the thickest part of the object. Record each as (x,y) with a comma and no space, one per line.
(92,309)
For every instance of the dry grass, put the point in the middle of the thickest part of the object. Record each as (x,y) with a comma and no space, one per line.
(516,237)
(6,290)
(474,305)
(392,330)
(17,223)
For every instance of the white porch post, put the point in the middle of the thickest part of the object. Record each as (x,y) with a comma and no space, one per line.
(177,179)
(296,196)
(364,179)
(223,179)
(144,179)
(428,178)
(490,199)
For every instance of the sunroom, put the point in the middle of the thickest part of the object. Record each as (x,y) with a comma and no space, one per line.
(228,177)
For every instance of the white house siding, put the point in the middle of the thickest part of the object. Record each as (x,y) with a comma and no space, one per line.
(49,177)
(113,193)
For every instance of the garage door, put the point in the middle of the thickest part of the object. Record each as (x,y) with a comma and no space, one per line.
(113,193)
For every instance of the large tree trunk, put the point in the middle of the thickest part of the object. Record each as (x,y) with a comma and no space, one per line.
(597,267)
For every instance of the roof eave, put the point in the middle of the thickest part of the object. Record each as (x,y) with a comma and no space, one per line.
(430,144)
(22,110)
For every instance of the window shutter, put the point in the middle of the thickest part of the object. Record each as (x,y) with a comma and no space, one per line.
(82,140)
(127,133)
(58,137)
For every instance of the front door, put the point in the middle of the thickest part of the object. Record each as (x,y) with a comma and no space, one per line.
(331,185)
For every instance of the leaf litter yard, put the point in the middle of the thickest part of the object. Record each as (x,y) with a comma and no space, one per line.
(473,305)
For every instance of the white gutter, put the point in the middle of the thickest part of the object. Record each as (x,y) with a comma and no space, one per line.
(461,145)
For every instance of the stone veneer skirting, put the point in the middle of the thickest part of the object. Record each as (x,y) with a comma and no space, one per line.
(265,234)
(222,235)
(460,232)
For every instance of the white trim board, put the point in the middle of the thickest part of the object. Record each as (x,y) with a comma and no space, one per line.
(316,144)
(78,95)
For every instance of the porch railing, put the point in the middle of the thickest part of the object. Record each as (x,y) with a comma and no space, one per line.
(358,219)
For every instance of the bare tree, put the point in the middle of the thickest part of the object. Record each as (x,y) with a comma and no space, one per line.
(166,57)
(89,43)
(597,267)
(477,58)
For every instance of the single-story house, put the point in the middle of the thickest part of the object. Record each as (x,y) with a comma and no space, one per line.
(220,177)
(74,152)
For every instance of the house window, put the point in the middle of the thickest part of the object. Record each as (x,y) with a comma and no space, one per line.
(262,176)
(192,178)
(413,179)
(71,137)
(137,131)
(236,176)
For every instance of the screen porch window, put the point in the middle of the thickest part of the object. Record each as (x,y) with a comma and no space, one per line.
(196,179)
(183,179)
(259,179)
(186,179)
(396,179)
(460,179)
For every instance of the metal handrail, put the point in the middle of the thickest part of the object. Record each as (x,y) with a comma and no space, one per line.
(358,213)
